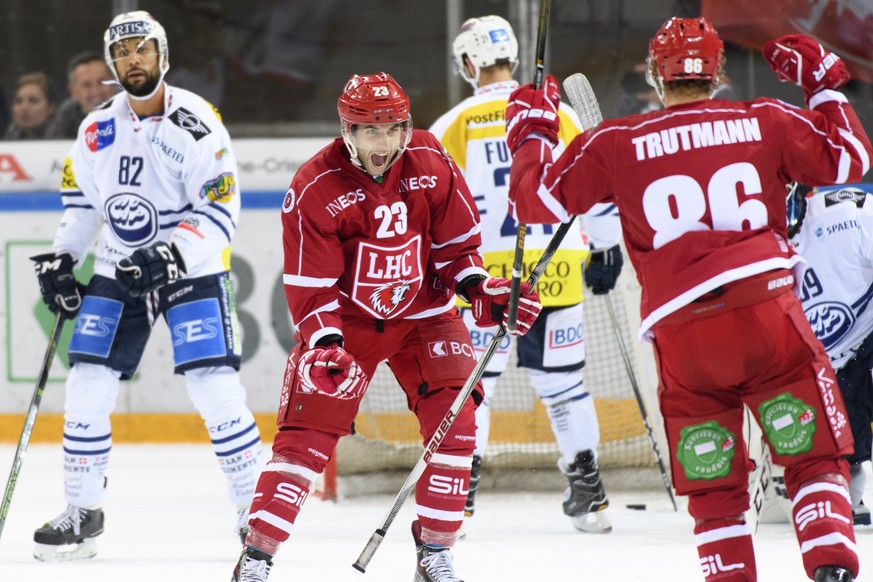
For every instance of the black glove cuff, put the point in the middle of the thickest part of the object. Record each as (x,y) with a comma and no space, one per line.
(333,338)
(607,256)
(466,282)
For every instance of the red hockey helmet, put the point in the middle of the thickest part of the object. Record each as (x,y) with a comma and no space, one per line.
(686,48)
(373,99)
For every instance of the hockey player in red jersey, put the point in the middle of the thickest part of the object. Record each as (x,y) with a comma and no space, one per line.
(380,231)
(700,188)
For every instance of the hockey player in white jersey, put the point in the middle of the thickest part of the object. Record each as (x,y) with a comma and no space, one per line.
(474,134)
(833,230)
(152,176)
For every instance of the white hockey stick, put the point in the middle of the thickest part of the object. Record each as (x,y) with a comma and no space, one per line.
(768,500)
(583,100)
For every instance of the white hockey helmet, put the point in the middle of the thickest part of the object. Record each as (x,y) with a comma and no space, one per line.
(486,41)
(136,24)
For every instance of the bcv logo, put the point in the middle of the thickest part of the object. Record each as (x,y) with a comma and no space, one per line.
(93,325)
(195,330)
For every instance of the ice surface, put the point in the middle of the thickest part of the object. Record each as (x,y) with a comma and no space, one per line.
(168,518)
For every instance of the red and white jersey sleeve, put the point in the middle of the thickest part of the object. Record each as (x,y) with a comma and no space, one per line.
(700,187)
(355,247)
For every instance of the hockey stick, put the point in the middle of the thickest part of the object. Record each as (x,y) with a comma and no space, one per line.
(518,257)
(665,478)
(31,418)
(447,421)
(585,105)
(583,100)
(761,477)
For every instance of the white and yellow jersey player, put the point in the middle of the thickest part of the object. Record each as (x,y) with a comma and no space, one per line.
(474,134)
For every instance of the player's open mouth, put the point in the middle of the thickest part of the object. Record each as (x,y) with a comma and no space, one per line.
(378,161)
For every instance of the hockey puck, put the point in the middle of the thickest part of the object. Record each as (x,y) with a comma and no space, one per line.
(636,506)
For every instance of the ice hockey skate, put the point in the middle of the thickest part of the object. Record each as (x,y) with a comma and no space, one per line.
(242,522)
(585,499)
(69,536)
(470,505)
(253,566)
(434,564)
(475,473)
(861,515)
(832,574)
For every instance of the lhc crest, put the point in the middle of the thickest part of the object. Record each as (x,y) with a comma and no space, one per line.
(387,279)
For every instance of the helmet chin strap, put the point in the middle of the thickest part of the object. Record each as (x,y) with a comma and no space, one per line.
(150,95)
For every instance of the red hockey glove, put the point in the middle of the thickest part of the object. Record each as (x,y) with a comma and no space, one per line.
(800,59)
(489,298)
(533,111)
(333,371)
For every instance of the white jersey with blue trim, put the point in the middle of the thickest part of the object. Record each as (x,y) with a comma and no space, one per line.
(474,134)
(836,239)
(169,177)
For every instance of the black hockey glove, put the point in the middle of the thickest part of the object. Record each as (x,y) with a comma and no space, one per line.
(603,269)
(149,268)
(58,284)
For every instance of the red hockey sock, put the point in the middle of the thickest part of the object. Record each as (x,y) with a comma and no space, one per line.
(726,551)
(440,497)
(822,516)
(278,499)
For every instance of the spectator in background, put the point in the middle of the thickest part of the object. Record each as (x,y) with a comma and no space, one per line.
(33,104)
(86,74)
(637,95)
(4,110)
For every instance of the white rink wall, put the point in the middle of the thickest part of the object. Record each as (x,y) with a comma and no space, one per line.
(30,211)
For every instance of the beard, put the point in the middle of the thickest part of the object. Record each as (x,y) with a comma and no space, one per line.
(143,89)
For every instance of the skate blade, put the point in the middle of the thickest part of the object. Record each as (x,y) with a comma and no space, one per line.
(462,531)
(595,522)
(67,553)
